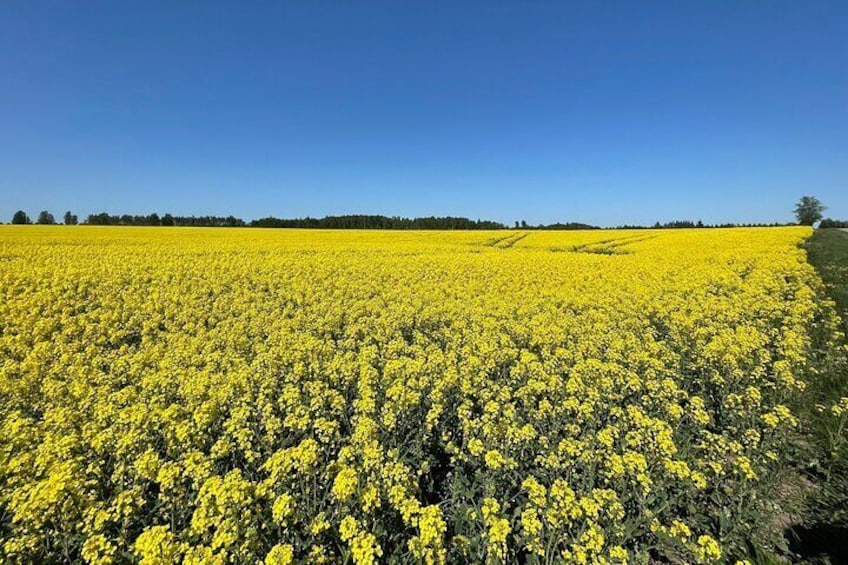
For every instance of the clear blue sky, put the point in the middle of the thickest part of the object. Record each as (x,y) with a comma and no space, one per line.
(602,112)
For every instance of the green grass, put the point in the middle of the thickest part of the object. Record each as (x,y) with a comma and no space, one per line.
(827,251)
(822,451)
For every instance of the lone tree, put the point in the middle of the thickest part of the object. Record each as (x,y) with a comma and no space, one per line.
(20,217)
(70,219)
(45,218)
(809,210)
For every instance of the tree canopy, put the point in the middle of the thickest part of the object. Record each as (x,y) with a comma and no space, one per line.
(45,218)
(21,217)
(809,210)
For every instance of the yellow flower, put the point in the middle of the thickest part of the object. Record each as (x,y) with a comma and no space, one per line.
(283,508)
(280,555)
(498,528)
(475,447)
(157,546)
(708,549)
(345,484)
(260,387)
(97,550)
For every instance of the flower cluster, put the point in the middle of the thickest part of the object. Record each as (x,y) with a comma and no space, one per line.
(285,396)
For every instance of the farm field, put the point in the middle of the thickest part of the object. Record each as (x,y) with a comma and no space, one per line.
(245,395)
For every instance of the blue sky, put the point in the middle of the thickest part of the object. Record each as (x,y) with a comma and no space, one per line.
(602,112)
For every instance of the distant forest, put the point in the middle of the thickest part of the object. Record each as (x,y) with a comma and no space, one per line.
(369,222)
(828,223)
(355,221)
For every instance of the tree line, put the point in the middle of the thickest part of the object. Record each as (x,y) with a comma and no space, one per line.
(808,211)
(353,221)
(688,224)
(104,219)
(44,217)
(829,223)
(360,221)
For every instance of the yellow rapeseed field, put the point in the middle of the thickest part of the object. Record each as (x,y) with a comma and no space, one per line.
(245,396)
